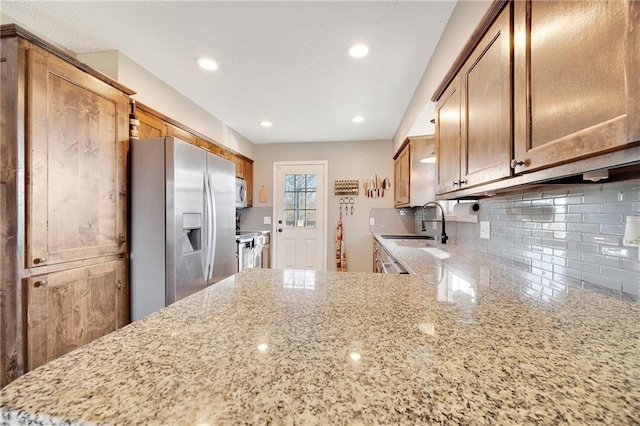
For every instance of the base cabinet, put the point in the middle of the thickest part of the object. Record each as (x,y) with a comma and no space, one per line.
(68,309)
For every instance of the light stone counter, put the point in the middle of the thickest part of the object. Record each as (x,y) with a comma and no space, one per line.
(465,340)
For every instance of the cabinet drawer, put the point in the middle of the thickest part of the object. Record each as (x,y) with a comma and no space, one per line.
(68,309)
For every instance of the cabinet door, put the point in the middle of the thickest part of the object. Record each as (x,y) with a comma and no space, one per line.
(401,177)
(76,177)
(248,175)
(206,145)
(576,79)
(239,161)
(182,134)
(448,138)
(221,152)
(68,309)
(422,188)
(486,107)
(150,125)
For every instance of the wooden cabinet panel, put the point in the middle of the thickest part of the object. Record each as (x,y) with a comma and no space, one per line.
(76,176)
(486,107)
(401,177)
(222,152)
(151,126)
(576,67)
(448,149)
(422,178)
(248,175)
(68,309)
(413,179)
(239,162)
(182,134)
(11,206)
(206,145)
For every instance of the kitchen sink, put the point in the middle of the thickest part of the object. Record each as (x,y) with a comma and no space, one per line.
(406,237)
(414,243)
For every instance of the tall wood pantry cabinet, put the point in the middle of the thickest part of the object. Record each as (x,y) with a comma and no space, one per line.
(63,199)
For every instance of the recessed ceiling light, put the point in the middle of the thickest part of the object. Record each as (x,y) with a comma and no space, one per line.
(207,64)
(359,50)
(266,123)
(357,119)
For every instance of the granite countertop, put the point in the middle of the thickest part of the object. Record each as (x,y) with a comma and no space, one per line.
(463,340)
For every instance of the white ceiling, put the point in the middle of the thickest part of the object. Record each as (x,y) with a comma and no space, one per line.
(286,62)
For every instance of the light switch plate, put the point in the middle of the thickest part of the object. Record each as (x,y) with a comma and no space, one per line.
(485,230)
(266,220)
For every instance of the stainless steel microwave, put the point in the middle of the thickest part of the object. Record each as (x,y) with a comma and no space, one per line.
(241,193)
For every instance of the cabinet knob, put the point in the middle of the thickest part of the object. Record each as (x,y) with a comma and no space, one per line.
(279,229)
(40,283)
(455,183)
(462,182)
(39,260)
(515,163)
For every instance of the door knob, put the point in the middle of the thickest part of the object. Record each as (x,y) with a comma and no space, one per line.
(279,229)
(39,260)
(40,283)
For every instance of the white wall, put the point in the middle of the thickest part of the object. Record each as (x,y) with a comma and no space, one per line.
(155,93)
(160,96)
(464,20)
(347,160)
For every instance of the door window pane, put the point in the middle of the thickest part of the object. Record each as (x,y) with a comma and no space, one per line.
(300,200)
(289,182)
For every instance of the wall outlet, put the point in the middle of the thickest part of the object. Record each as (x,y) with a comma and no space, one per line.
(434,225)
(485,230)
(266,220)
(372,221)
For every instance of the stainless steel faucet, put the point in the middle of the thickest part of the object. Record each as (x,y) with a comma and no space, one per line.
(443,236)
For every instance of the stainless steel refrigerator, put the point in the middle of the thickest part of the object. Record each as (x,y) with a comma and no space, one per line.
(182,223)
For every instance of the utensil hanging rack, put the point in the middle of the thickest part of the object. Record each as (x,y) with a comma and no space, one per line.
(375,187)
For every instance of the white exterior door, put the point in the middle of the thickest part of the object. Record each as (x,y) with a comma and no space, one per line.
(300,215)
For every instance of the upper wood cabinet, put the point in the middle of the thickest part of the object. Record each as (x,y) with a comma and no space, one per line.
(543,90)
(401,177)
(576,79)
(486,107)
(448,118)
(77,189)
(414,175)
(151,126)
(248,176)
(473,116)
(68,309)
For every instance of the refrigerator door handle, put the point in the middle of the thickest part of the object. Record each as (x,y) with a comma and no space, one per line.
(207,219)
(212,228)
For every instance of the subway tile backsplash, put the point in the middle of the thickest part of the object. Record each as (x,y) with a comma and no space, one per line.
(571,235)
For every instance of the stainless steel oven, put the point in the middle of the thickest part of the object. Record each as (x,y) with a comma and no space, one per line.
(253,250)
